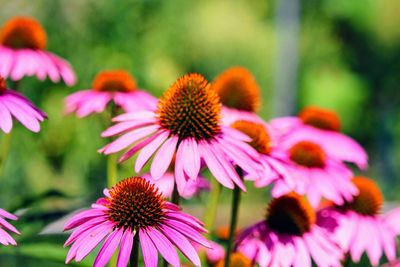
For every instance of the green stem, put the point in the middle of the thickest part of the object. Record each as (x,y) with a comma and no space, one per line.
(5,149)
(111,170)
(234,219)
(212,205)
(134,258)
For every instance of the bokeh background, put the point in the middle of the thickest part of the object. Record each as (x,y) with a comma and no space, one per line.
(339,54)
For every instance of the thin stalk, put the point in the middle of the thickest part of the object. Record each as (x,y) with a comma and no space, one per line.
(234,220)
(112,159)
(212,205)
(5,149)
(111,170)
(134,258)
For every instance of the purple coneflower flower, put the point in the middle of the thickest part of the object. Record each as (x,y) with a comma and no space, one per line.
(134,208)
(239,94)
(118,86)
(14,104)
(360,227)
(322,126)
(23,52)
(314,173)
(289,236)
(5,237)
(264,141)
(186,122)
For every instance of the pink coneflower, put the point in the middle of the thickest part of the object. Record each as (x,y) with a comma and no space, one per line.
(118,86)
(186,122)
(322,126)
(167,182)
(239,94)
(360,225)
(14,104)
(23,52)
(314,173)
(264,141)
(289,236)
(5,237)
(135,209)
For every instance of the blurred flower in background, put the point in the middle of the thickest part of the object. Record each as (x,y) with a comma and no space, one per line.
(23,52)
(114,85)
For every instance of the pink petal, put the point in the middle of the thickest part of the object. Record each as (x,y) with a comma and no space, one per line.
(149,251)
(108,248)
(163,158)
(125,248)
(164,246)
(182,243)
(149,150)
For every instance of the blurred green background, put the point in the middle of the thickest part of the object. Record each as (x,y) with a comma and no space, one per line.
(339,54)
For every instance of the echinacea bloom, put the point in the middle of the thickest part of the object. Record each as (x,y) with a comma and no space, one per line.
(5,237)
(167,182)
(289,236)
(314,172)
(239,94)
(322,126)
(23,52)
(14,104)
(360,227)
(117,86)
(264,141)
(186,122)
(135,209)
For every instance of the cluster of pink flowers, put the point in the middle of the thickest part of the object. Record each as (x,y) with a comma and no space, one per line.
(319,211)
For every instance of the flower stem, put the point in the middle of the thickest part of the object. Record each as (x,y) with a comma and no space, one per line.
(175,196)
(212,205)
(134,258)
(234,219)
(111,170)
(5,149)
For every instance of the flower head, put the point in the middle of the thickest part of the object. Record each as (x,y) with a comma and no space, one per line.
(289,236)
(5,237)
(186,124)
(313,171)
(14,104)
(23,32)
(263,139)
(238,89)
(190,109)
(132,207)
(23,43)
(115,85)
(361,226)
(321,126)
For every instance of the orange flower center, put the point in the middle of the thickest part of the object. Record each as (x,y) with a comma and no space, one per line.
(190,108)
(307,154)
(3,85)
(114,81)
(320,118)
(290,214)
(23,32)
(369,201)
(260,139)
(135,203)
(237,259)
(238,89)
